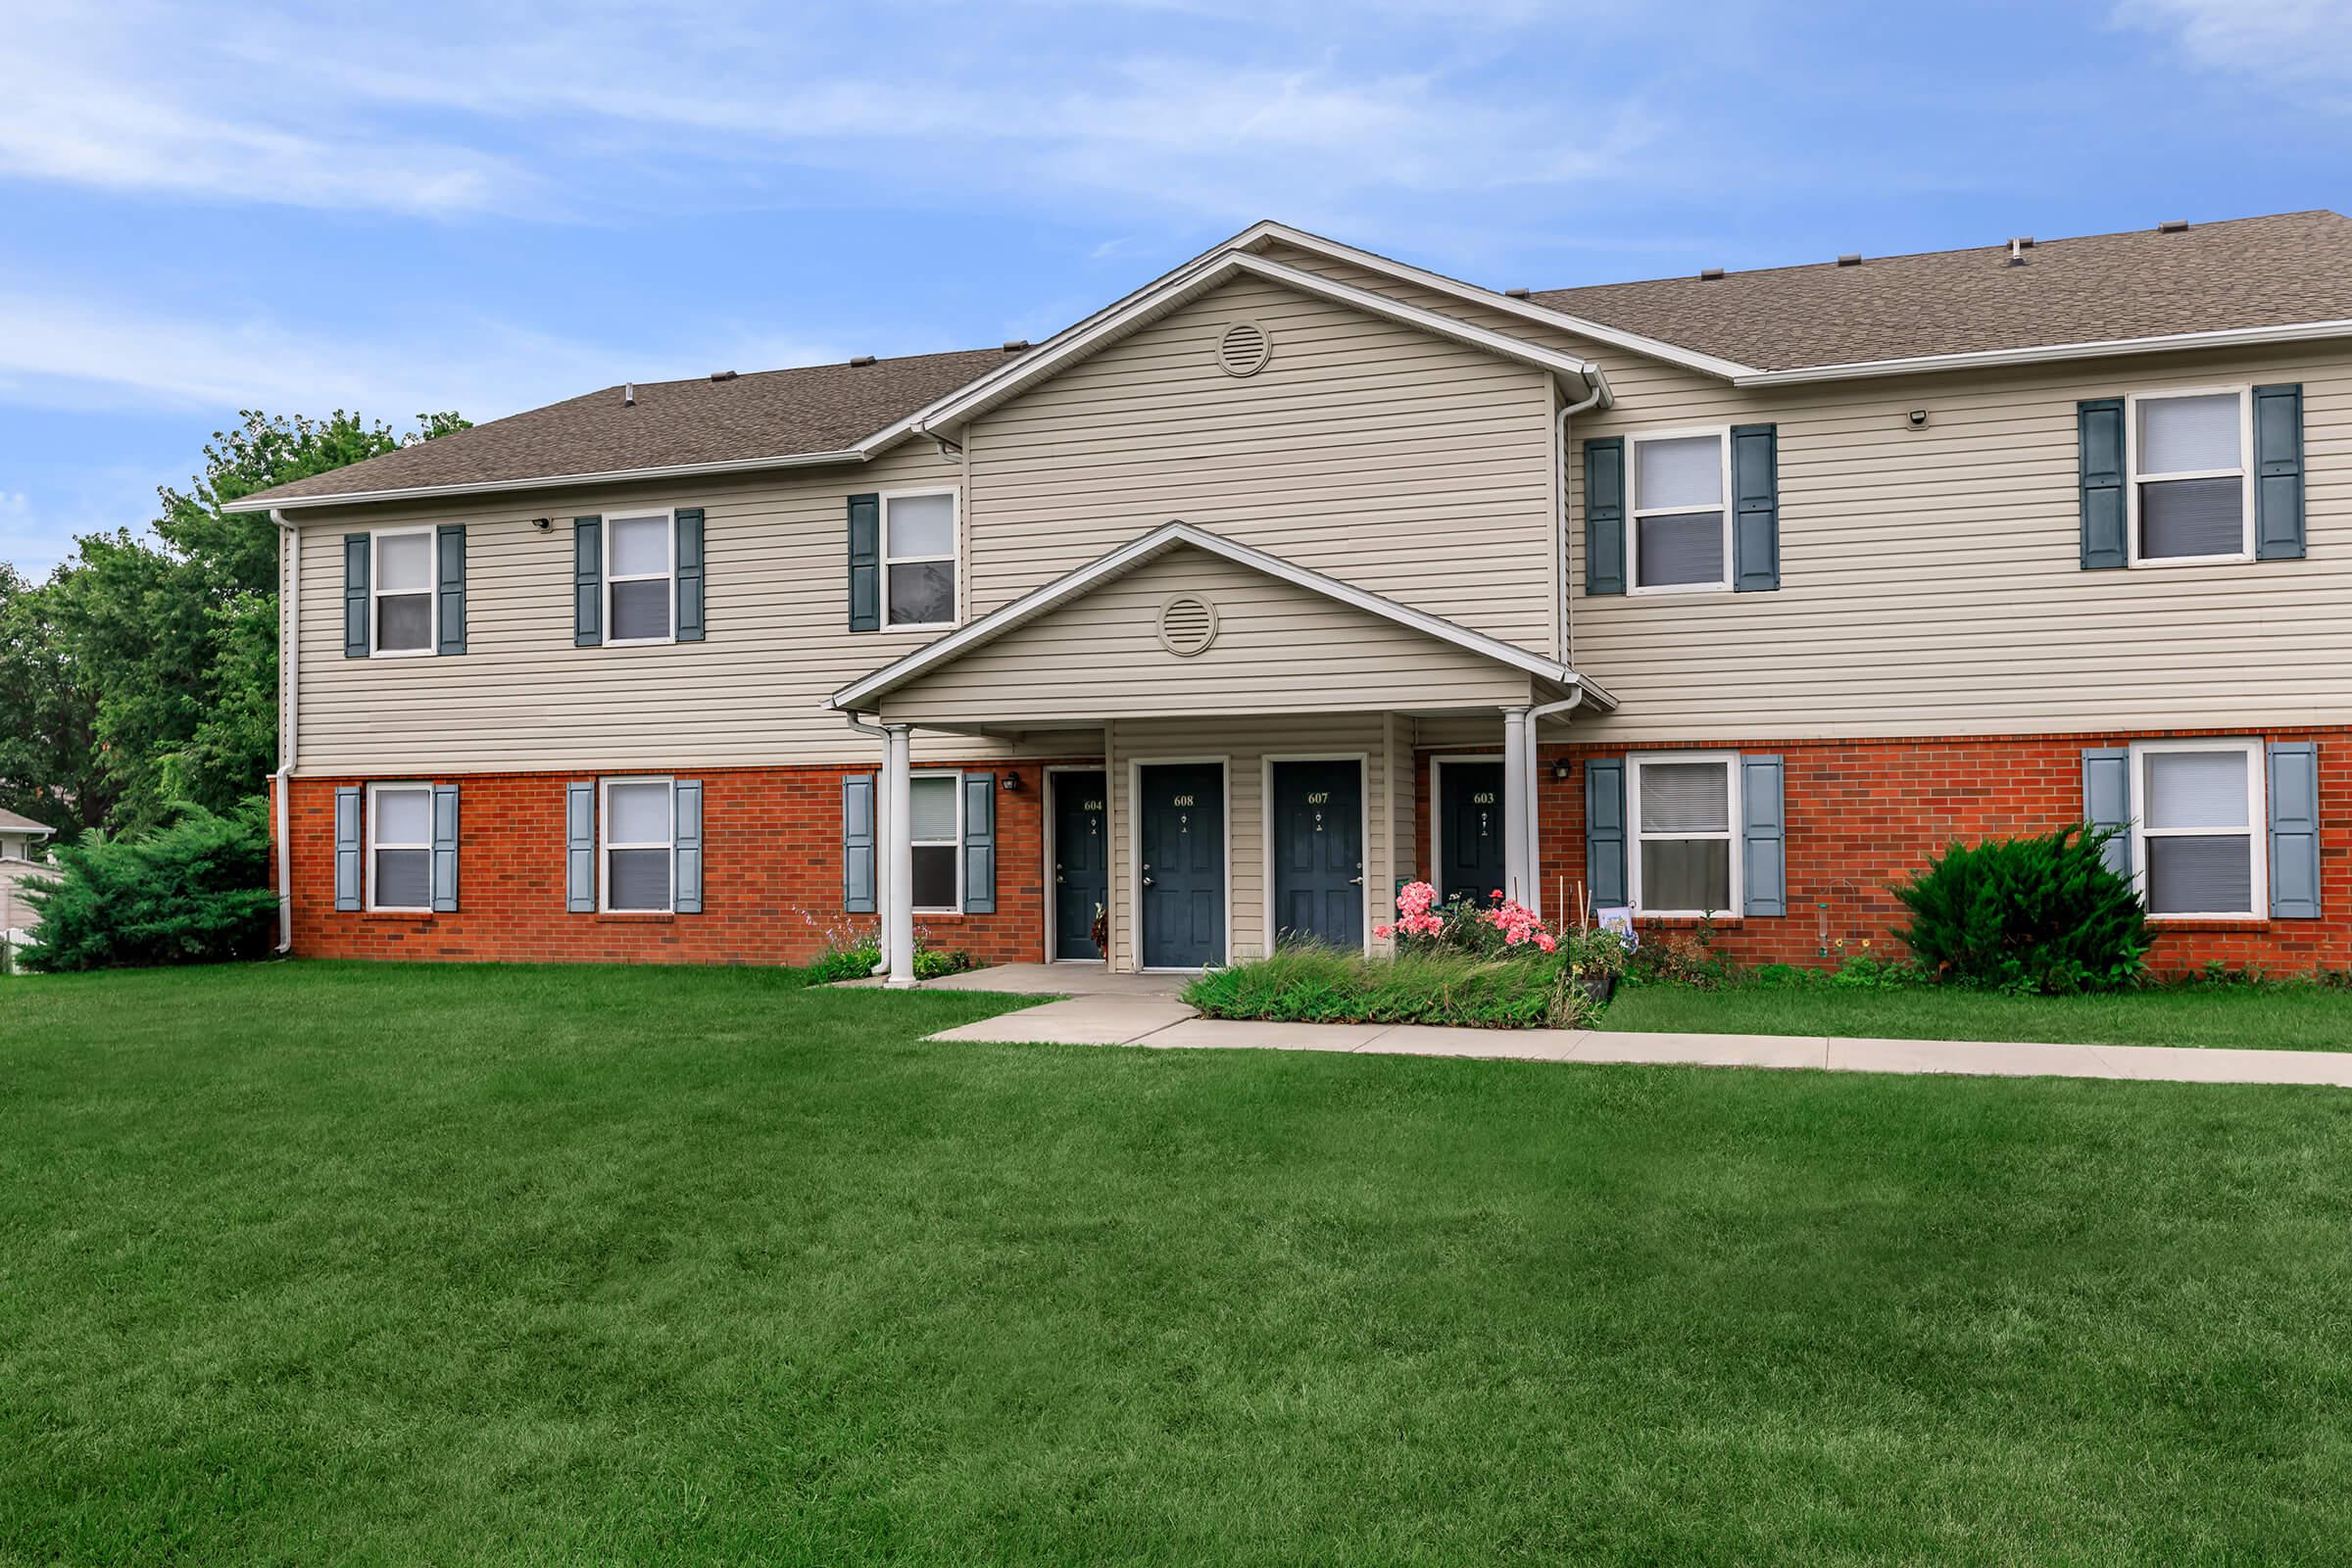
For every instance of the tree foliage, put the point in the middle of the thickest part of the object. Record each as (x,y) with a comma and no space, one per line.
(144,672)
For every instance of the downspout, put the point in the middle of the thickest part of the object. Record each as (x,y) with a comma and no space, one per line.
(289,660)
(1596,393)
(1534,828)
(882,887)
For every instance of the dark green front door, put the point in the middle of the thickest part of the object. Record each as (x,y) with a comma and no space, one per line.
(1469,830)
(1180,877)
(1081,861)
(1319,853)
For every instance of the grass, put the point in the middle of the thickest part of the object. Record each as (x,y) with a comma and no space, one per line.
(2270,1017)
(1305,983)
(314,1262)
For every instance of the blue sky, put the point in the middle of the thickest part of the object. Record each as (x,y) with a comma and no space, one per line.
(487,206)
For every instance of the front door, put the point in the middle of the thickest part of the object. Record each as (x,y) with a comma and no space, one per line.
(1469,830)
(1181,876)
(1081,861)
(1319,853)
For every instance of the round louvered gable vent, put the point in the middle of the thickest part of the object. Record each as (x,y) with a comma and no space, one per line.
(1245,349)
(1188,624)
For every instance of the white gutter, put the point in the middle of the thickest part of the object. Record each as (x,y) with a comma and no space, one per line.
(2043,353)
(1598,395)
(423,492)
(289,738)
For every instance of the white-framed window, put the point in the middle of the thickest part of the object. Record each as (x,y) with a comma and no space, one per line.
(400,848)
(2198,845)
(936,819)
(2191,491)
(1685,812)
(1681,517)
(639,824)
(919,558)
(640,578)
(402,619)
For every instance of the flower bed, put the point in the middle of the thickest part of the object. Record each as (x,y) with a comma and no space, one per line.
(1495,968)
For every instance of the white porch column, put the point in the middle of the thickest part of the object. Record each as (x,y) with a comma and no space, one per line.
(1533,898)
(898,830)
(1517,760)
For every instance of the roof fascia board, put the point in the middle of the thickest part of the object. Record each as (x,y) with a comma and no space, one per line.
(551,481)
(1180,287)
(1544,314)
(2043,353)
(1159,541)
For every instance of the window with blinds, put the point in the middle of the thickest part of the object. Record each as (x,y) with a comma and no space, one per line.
(1684,809)
(1681,534)
(2188,477)
(2201,819)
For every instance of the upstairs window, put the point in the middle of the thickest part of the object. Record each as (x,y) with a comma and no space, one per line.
(2199,848)
(1686,859)
(919,558)
(403,597)
(1682,528)
(639,830)
(2188,483)
(640,578)
(400,847)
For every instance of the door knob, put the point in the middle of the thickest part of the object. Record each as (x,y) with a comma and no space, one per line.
(1355,881)
(1146,881)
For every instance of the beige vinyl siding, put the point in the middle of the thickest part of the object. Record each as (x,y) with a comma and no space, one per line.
(1930,579)
(1279,648)
(1367,450)
(1243,746)
(16,909)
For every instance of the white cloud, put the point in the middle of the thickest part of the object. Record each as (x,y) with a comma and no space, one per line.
(2306,41)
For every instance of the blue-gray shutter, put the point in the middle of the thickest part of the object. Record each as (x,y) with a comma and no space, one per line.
(2100,429)
(690,574)
(2294,830)
(1755,508)
(1604,832)
(351,845)
(2279,474)
(979,843)
(580,846)
(355,638)
(686,846)
(587,582)
(2107,800)
(449,557)
(1764,849)
(865,563)
(1604,516)
(857,843)
(445,849)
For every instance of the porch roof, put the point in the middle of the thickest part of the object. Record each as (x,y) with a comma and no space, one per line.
(864,693)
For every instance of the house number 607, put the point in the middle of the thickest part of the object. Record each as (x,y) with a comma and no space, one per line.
(1319,798)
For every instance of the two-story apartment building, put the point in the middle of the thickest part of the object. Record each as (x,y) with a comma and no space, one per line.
(1299,573)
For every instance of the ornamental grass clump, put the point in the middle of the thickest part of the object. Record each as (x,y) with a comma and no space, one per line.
(2034,915)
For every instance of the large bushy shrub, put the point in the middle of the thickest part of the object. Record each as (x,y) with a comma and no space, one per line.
(2034,915)
(194,891)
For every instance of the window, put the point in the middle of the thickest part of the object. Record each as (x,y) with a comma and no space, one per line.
(918,558)
(2189,487)
(935,820)
(1685,860)
(1682,528)
(639,556)
(638,843)
(2199,839)
(400,847)
(404,591)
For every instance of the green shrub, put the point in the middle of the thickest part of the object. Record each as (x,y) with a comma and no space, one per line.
(1307,984)
(2041,916)
(852,948)
(194,891)
(1665,959)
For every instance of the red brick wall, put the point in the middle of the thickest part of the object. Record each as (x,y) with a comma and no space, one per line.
(1862,814)
(771,877)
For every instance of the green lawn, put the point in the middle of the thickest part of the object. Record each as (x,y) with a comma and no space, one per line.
(2298,1017)
(322,1262)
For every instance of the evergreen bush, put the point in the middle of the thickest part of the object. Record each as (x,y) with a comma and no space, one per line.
(2036,915)
(193,891)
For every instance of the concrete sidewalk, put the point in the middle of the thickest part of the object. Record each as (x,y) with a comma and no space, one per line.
(1160,1021)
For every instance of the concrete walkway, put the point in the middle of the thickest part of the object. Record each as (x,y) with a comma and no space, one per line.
(1148,1016)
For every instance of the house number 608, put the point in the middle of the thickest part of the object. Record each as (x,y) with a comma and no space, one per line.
(1182,800)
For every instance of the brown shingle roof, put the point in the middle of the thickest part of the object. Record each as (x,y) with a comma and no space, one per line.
(2247,272)
(767,413)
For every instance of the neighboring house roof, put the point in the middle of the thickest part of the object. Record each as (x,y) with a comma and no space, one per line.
(2294,269)
(2242,281)
(11,822)
(860,695)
